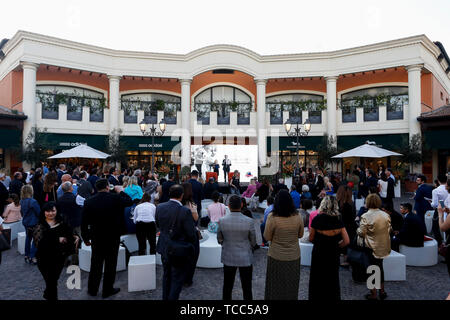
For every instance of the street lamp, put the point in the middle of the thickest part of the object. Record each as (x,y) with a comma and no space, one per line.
(143,126)
(297,133)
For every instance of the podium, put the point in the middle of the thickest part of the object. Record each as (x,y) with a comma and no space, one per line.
(211,175)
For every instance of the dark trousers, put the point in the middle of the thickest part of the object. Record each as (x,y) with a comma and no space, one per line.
(146,231)
(103,252)
(379,263)
(193,263)
(173,278)
(50,269)
(229,273)
(225,173)
(436,231)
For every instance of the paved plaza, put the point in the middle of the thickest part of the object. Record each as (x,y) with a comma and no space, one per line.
(21,281)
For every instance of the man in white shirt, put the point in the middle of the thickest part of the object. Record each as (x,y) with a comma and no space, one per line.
(438,194)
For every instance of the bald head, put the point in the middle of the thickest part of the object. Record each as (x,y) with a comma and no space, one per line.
(66,177)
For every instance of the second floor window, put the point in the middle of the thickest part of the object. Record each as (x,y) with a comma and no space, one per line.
(286,102)
(150,103)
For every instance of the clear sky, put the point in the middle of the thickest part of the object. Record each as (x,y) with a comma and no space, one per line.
(264,26)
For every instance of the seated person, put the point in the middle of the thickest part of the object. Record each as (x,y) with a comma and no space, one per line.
(12,210)
(269,209)
(210,187)
(305,192)
(396,218)
(251,189)
(314,213)
(295,197)
(216,211)
(305,210)
(412,231)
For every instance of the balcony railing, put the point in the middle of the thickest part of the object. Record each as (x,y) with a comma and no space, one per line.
(223,112)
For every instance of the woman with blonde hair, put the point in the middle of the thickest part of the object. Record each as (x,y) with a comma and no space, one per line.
(133,189)
(374,229)
(30,210)
(125,181)
(328,186)
(328,235)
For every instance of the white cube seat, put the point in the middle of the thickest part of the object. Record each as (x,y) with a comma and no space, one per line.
(21,236)
(142,273)
(358,204)
(85,254)
(15,227)
(305,253)
(421,256)
(394,267)
(130,242)
(263,205)
(210,251)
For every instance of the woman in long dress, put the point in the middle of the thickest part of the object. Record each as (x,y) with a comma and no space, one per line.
(328,235)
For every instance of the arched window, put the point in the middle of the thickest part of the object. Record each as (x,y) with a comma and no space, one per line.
(150,103)
(223,99)
(51,96)
(279,103)
(394,98)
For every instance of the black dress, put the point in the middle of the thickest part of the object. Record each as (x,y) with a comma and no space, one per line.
(51,254)
(324,273)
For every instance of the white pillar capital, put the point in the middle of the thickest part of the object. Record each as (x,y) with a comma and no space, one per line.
(331,78)
(414,67)
(260,81)
(112,77)
(29,65)
(185,81)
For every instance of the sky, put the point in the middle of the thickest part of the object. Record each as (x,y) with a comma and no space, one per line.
(266,27)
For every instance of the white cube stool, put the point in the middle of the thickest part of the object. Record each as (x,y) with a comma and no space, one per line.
(130,241)
(394,267)
(210,251)
(15,227)
(21,236)
(263,205)
(305,253)
(85,254)
(421,256)
(141,273)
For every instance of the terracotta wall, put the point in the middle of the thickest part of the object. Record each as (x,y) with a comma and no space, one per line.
(11,90)
(440,96)
(127,83)
(314,84)
(427,92)
(361,79)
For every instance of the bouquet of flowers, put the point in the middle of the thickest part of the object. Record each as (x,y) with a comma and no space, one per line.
(288,169)
(163,170)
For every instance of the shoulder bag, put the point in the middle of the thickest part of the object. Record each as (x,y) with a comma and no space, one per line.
(178,251)
(359,259)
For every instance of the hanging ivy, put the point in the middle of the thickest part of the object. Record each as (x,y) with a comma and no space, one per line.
(295,108)
(371,103)
(148,106)
(51,100)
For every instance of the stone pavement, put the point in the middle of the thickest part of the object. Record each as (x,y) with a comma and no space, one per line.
(21,281)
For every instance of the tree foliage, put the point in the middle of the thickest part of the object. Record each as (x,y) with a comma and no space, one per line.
(326,150)
(36,147)
(116,147)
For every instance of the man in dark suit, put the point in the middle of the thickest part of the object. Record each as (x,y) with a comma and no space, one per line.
(85,188)
(93,179)
(390,189)
(362,191)
(226,167)
(16,184)
(166,187)
(371,181)
(175,270)
(68,208)
(424,190)
(197,190)
(209,188)
(102,225)
(279,186)
(112,178)
(413,229)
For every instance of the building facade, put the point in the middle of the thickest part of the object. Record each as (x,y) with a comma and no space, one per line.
(222,94)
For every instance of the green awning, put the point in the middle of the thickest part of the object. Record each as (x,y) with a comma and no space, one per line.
(68,141)
(145,143)
(437,139)
(391,142)
(289,143)
(10,138)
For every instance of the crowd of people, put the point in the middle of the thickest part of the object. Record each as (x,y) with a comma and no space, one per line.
(62,207)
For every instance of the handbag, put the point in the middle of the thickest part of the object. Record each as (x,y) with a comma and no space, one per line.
(4,242)
(359,255)
(178,250)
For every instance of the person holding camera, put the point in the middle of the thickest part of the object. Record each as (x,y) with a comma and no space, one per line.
(101,227)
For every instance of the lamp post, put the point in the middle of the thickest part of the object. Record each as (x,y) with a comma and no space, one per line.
(297,132)
(143,126)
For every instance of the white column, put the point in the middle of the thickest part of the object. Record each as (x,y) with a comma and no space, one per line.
(185,122)
(414,104)
(331,106)
(114,101)
(29,99)
(261,120)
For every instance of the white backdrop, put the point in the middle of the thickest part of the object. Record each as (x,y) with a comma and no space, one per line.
(244,158)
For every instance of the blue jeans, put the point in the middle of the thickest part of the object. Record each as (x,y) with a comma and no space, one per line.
(29,242)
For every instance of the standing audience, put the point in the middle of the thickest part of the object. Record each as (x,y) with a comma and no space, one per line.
(31,211)
(144,218)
